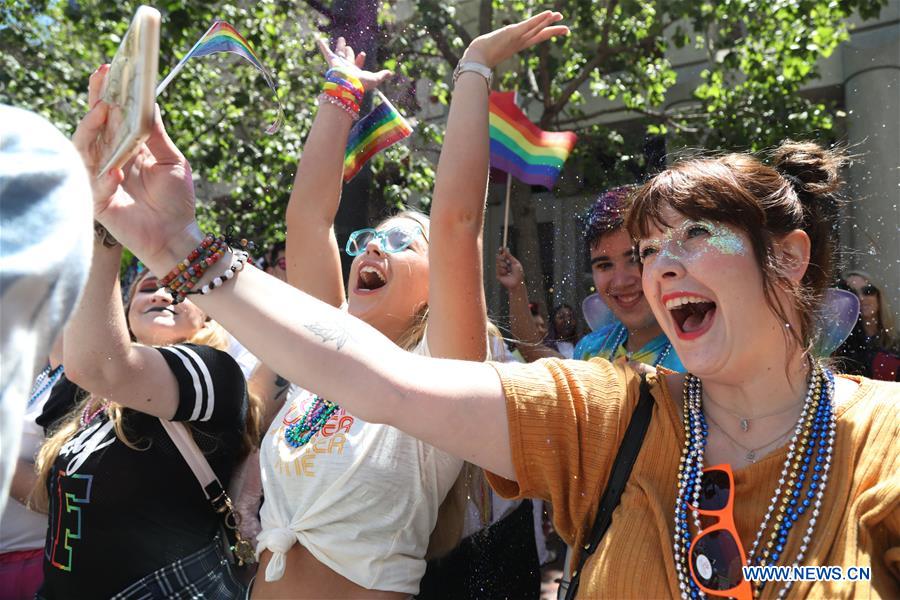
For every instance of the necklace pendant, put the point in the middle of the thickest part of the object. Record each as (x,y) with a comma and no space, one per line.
(751,456)
(745,425)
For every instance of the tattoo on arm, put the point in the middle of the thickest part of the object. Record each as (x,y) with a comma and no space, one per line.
(329,332)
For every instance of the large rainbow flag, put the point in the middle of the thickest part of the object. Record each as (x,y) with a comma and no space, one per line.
(381,128)
(521,148)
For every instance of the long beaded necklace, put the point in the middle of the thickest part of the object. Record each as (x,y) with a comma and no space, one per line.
(45,380)
(317,414)
(813,434)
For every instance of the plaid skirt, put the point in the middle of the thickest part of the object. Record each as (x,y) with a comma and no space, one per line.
(204,574)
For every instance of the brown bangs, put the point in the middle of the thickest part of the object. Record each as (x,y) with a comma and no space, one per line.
(705,189)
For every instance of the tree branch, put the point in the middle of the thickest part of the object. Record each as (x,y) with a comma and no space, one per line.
(443,46)
(556,107)
(603,52)
(320,8)
(544,72)
(485,17)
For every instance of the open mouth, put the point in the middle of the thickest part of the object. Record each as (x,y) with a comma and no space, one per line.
(370,278)
(167,309)
(693,315)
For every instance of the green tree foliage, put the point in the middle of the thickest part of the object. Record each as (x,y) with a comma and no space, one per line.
(217,109)
(760,53)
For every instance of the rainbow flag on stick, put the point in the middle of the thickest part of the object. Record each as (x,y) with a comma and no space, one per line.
(521,148)
(381,128)
(222,37)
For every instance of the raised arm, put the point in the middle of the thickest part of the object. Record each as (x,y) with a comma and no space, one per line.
(529,340)
(458,313)
(98,353)
(455,405)
(311,252)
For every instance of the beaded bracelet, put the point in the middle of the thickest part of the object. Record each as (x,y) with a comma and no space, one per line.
(185,282)
(193,256)
(238,261)
(343,89)
(340,103)
(185,275)
(206,259)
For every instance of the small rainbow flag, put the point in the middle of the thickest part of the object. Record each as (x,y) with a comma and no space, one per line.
(381,128)
(523,150)
(222,37)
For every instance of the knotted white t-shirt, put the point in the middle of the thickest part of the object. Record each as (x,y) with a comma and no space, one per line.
(362,498)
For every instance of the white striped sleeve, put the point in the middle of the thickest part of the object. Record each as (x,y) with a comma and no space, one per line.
(204,375)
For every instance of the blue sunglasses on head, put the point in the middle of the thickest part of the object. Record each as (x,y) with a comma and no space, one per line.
(395,239)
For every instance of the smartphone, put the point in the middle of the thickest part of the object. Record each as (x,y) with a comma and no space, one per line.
(130,89)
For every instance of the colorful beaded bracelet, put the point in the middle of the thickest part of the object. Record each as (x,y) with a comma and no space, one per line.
(189,278)
(193,256)
(185,275)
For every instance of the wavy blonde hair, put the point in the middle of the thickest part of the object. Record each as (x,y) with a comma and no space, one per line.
(211,334)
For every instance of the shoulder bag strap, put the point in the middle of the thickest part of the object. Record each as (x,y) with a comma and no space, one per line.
(621,471)
(212,487)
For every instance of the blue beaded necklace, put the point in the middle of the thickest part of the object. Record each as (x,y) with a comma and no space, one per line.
(45,380)
(809,458)
(318,412)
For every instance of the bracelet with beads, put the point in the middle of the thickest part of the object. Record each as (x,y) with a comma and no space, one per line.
(205,259)
(185,282)
(238,261)
(185,275)
(342,104)
(191,258)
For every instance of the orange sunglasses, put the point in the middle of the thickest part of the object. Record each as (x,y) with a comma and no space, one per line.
(717,554)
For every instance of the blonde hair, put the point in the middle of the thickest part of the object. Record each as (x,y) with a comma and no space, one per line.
(211,334)
(414,334)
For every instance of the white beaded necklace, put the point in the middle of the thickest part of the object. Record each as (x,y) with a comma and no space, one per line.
(692,462)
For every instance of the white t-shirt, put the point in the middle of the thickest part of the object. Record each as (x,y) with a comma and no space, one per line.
(362,498)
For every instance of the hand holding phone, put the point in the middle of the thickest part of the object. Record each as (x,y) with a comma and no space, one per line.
(130,88)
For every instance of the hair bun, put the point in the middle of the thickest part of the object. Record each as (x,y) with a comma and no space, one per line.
(809,167)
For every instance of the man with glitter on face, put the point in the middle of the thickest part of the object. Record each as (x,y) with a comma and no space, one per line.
(617,277)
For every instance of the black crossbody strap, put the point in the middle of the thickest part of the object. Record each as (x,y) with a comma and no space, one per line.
(618,477)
